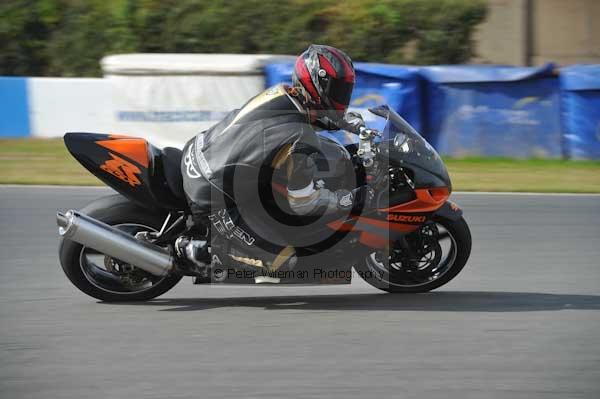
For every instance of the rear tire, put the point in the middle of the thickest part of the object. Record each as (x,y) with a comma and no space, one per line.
(461,236)
(113,210)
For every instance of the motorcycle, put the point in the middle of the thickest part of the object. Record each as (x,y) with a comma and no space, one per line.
(124,247)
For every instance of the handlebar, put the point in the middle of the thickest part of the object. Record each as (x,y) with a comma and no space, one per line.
(361,130)
(367,148)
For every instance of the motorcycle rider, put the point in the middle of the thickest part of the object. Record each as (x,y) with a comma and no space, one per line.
(274,130)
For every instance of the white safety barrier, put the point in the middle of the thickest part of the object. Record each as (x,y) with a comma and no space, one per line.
(172,109)
(172,97)
(165,98)
(60,105)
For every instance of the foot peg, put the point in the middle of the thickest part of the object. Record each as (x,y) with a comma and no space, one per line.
(196,251)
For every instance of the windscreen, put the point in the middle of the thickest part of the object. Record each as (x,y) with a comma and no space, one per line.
(409,149)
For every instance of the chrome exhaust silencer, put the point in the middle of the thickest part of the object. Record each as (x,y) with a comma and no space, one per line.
(114,243)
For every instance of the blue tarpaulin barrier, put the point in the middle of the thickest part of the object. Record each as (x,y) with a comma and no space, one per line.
(376,84)
(14,107)
(493,111)
(580,95)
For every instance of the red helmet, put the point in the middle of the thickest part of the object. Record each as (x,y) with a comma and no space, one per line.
(327,76)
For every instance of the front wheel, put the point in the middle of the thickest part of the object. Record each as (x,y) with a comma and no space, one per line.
(103,277)
(426,260)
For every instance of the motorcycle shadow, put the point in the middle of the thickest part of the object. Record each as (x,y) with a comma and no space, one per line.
(441,301)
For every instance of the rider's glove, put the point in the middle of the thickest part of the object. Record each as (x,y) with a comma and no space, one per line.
(355,120)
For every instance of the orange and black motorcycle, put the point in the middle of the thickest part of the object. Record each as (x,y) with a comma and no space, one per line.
(124,247)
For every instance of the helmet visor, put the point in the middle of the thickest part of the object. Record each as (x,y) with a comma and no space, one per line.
(340,92)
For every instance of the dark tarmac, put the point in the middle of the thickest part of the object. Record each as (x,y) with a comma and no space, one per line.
(521,321)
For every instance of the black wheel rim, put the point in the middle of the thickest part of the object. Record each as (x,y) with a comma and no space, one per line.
(440,261)
(116,277)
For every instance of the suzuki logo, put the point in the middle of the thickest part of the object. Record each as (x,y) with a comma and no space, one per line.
(122,170)
(396,217)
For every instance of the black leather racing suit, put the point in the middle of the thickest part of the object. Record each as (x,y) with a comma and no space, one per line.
(226,164)
(228,167)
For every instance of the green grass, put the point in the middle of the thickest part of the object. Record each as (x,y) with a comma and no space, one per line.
(40,161)
(46,161)
(532,175)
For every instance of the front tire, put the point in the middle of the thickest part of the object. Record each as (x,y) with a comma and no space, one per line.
(87,269)
(395,280)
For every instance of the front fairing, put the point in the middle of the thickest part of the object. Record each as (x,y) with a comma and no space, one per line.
(405,148)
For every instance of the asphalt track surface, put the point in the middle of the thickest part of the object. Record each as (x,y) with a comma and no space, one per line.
(521,321)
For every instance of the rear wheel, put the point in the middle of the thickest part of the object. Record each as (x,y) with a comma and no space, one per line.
(428,259)
(106,278)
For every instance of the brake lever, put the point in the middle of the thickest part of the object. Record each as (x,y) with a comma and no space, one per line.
(363,132)
(366,133)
